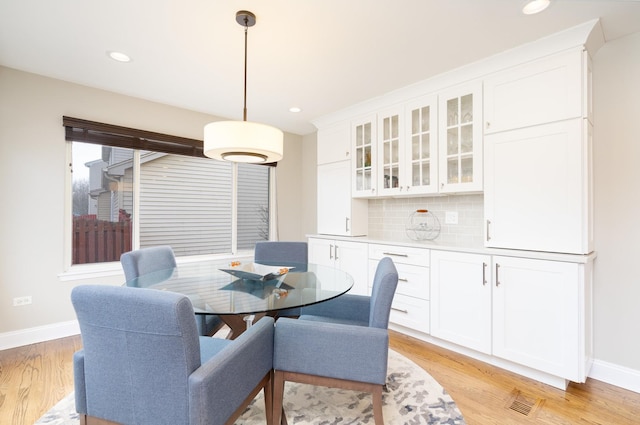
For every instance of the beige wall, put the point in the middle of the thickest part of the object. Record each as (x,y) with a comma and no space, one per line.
(32,171)
(617,201)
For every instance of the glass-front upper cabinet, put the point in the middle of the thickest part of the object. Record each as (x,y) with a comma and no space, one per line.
(363,134)
(460,144)
(421,146)
(390,152)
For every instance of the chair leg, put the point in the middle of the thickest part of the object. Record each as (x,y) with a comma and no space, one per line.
(376,394)
(279,417)
(268,399)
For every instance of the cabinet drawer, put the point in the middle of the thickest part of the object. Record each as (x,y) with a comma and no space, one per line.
(413,281)
(400,254)
(410,312)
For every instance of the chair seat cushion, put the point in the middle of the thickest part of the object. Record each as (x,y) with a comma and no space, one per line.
(210,346)
(326,319)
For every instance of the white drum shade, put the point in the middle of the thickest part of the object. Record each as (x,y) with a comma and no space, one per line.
(243,141)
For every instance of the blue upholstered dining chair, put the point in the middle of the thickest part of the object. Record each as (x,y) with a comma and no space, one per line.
(146,260)
(142,361)
(343,342)
(286,254)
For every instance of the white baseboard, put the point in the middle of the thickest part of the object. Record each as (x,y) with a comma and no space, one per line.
(38,334)
(612,374)
(609,373)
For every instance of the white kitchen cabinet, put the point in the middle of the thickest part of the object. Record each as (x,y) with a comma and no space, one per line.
(534,313)
(460,139)
(390,152)
(542,315)
(364,157)
(338,213)
(538,191)
(461,299)
(421,146)
(538,92)
(348,256)
(410,306)
(334,143)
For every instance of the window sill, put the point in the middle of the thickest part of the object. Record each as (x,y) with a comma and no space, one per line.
(90,271)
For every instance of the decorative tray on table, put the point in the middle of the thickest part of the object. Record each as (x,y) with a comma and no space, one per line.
(255,271)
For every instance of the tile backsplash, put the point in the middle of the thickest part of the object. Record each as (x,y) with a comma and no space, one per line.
(388,217)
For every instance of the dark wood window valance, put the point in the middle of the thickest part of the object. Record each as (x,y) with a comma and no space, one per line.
(79,130)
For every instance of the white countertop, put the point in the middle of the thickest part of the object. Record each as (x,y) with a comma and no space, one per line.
(436,245)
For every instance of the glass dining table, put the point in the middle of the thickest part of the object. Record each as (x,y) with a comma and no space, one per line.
(240,301)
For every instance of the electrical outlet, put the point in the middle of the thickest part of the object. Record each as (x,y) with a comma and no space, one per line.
(451,217)
(18,301)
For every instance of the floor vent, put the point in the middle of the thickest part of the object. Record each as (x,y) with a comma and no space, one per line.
(523,405)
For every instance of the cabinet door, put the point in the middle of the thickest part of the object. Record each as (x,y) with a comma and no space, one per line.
(322,252)
(537,192)
(390,151)
(334,143)
(352,257)
(338,213)
(460,141)
(461,299)
(538,92)
(334,198)
(421,146)
(364,157)
(536,319)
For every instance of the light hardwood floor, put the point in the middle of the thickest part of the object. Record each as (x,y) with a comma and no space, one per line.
(33,378)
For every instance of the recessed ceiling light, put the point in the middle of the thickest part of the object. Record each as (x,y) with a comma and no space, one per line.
(295,109)
(119,56)
(535,6)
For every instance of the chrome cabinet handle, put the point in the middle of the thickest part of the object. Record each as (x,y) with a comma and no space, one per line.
(484,274)
(336,252)
(488,224)
(399,310)
(346,224)
(402,279)
(331,251)
(394,254)
(497,269)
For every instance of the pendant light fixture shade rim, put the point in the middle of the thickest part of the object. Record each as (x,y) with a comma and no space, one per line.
(243,141)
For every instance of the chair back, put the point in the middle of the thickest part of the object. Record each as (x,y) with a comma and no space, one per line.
(281,253)
(147,260)
(384,288)
(140,346)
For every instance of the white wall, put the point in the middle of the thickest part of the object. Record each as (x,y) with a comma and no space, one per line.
(617,201)
(32,172)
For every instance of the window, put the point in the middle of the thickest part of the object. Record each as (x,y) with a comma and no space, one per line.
(127,198)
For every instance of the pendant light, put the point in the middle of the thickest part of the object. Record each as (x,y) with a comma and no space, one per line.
(243,141)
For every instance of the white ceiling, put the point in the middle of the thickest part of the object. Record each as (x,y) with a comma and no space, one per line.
(319,55)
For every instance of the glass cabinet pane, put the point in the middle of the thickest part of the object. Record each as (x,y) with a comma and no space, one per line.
(466,109)
(426,116)
(466,138)
(452,171)
(426,150)
(452,112)
(359,135)
(466,169)
(452,141)
(415,147)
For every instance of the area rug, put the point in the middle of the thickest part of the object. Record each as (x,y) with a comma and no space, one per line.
(412,397)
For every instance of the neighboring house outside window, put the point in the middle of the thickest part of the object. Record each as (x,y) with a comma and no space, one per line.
(183,201)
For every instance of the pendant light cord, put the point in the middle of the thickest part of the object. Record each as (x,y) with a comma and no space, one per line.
(246,31)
